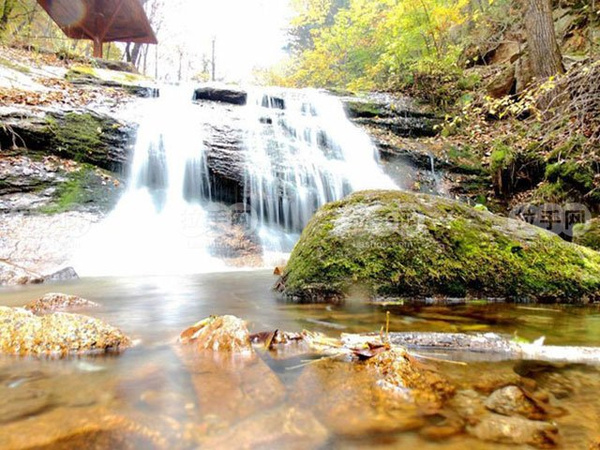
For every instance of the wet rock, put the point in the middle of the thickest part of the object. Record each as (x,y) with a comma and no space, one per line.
(398,372)
(230,380)
(21,401)
(512,401)
(444,426)
(66,274)
(222,334)
(13,275)
(81,428)
(57,334)
(36,244)
(22,174)
(515,430)
(399,116)
(285,427)
(78,134)
(234,96)
(490,382)
(58,302)
(399,244)
(469,405)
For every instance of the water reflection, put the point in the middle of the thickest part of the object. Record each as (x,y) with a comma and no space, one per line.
(157,396)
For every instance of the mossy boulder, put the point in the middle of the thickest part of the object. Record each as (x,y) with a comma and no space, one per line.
(588,234)
(400,244)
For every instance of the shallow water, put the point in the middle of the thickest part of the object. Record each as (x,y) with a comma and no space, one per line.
(152,389)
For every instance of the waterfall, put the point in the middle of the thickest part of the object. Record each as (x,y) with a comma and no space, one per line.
(159,225)
(299,152)
(303,152)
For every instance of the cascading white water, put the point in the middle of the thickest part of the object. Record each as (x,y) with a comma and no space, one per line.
(159,225)
(303,152)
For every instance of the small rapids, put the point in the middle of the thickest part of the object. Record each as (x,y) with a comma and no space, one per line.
(300,151)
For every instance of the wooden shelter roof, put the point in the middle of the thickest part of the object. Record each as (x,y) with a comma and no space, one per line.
(101,20)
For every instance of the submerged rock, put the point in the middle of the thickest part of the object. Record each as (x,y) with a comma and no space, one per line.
(58,334)
(57,302)
(81,428)
(284,427)
(399,244)
(385,394)
(515,430)
(512,401)
(231,381)
(21,401)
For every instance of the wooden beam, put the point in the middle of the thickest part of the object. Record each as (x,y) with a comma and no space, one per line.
(111,19)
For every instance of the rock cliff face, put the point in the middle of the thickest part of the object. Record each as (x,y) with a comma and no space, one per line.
(399,244)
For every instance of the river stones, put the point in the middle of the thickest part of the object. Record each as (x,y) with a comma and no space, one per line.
(515,430)
(57,302)
(401,244)
(512,401)
(283,427)
(469,405)
(57,334)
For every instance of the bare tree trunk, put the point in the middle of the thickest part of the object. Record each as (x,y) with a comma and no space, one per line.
(128,52)
(145,59)
(544,53)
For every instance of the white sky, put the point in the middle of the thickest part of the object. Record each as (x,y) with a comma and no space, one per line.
(249,33)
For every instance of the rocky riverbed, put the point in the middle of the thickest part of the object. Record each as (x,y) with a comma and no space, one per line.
(231,389)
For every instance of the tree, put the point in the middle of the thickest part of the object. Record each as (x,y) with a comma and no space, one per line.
(544,53)
(5,12)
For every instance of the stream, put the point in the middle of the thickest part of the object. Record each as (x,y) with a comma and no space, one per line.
(151,386)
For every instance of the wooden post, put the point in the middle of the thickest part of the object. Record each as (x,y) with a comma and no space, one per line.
(97,48)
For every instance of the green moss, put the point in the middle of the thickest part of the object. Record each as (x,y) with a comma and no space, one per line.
(412,245)
(72,192)
(365,109)
(15,66)
(465,159)
(502,156)
(588,234)
(77,136)
(104,76)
